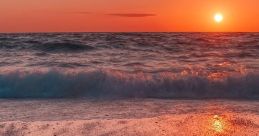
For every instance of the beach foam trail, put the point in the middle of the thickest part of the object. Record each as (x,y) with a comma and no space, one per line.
(117,84)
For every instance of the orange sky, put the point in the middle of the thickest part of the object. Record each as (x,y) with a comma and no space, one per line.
(127,15)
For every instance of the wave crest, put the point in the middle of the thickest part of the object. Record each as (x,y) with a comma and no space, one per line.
(103,84)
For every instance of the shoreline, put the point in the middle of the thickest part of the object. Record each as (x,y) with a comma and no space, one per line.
(141,117)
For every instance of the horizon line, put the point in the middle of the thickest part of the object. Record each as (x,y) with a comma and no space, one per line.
(130,32)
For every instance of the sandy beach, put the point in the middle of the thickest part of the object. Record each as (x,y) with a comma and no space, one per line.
(142,117)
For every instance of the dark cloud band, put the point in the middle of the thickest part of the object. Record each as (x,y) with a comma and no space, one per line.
(132,14)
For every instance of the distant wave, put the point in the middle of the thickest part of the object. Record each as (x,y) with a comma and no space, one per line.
(64,47)
(47,46)
(105,84)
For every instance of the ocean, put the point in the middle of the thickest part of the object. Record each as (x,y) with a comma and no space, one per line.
(129,65)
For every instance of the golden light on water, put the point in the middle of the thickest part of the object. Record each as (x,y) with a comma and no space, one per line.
(218,121)
(218,124)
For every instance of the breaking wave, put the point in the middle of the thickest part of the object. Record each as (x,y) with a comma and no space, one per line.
(129,65)
(116,84)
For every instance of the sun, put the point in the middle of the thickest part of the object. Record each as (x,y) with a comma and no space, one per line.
(218,17)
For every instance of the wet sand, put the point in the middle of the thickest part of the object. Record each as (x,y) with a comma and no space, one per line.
(141,117)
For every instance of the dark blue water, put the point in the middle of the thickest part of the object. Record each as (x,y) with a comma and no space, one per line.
(126,65)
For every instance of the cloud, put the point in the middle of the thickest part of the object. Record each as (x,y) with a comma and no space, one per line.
(132,14)
(119,14)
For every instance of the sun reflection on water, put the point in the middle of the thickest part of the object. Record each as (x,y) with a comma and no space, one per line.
(218,124)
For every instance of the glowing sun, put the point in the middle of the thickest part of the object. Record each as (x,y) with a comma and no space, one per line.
(218,17)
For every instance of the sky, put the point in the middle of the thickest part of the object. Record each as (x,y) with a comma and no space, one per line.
(128,15)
